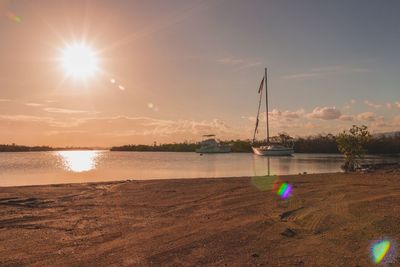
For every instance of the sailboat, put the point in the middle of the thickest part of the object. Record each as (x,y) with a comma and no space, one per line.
(269,149)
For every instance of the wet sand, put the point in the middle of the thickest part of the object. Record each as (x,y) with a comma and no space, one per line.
(200,222)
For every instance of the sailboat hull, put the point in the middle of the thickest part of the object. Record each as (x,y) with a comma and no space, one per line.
(267,151)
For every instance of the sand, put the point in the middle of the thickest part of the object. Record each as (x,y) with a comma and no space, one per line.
(330,220)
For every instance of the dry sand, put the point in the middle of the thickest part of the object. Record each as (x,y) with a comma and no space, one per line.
(215,222)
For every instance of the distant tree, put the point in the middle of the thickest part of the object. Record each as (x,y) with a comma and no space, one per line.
(239,145)
(351,144)
(284,138)
(316,144)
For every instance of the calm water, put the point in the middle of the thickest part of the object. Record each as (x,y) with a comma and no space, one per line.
(31,168)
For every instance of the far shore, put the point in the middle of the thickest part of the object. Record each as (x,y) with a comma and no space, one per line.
(329,220)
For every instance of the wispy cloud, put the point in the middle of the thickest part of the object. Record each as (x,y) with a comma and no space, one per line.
(58,132)
(123,125)
(65,111)
(300,75)
(324,71)
(5,100)
(33,104)
(25,118)
(48,121)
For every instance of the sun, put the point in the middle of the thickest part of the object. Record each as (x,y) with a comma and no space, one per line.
(79,60)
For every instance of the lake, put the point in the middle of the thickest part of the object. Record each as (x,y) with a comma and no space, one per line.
(34,168)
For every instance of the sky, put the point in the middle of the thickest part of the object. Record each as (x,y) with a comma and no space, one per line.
(171,71)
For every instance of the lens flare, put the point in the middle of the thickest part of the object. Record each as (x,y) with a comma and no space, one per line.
(284,190)
(14,17)
(379,250)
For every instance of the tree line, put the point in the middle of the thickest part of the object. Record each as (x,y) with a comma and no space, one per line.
(312,144)
(175,147)
(22,148)
(321,143)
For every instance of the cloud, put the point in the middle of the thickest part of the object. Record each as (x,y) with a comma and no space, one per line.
(65,111)
(277,115)
(367,116)
(299,76)
(125,126)
(26,118)
(104,130)
(372,104)
(325,113)
(293,114)
(47,121)
(389,105)
(64,132)
(325,70)
(33,104)
(397,104)
(169,127)
(4,100)
(286,115)
(346,118)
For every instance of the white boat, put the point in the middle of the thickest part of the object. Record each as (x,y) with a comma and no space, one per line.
(210,145)
(269,149)
(273,150)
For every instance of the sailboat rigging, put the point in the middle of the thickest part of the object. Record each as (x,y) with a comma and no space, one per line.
(269,149)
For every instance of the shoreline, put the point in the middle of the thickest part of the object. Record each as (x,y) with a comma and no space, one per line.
(330,220)
(195,179)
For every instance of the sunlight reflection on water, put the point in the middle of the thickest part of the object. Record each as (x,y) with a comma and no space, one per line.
(78,161)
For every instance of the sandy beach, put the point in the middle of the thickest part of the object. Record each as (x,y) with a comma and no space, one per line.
(333,218)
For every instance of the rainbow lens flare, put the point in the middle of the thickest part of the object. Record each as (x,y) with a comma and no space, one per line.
(379,250)
(284,190)
(14,17)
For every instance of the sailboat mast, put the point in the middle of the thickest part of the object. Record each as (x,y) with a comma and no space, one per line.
(266,101)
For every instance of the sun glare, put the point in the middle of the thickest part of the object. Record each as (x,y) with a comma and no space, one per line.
(79,61)
(78,161)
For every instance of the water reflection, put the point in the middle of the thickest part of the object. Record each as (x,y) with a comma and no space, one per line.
(78,161)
